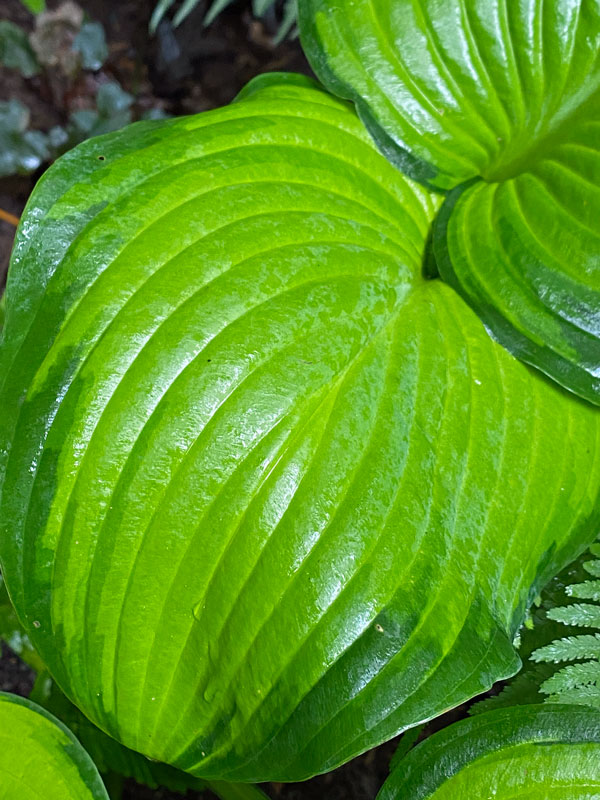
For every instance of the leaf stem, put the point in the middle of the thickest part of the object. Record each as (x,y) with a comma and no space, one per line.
(8,217)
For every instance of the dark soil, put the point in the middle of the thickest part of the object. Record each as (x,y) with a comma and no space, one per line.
(15,676)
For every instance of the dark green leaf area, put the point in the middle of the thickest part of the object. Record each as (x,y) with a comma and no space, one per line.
(533,752)
(268,496)
(498,101)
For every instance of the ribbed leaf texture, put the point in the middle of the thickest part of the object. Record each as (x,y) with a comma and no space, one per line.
(498,101)
(269,497)
(39,757)
(533,752)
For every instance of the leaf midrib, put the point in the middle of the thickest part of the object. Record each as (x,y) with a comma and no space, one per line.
(555,133)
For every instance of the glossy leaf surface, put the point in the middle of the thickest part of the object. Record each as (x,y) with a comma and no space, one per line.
(500,102)
(276,497)
(39,757)
(533,752)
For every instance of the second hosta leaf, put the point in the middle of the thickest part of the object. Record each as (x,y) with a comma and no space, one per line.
(533,752)
(498,100)
(268,496)
(40,757)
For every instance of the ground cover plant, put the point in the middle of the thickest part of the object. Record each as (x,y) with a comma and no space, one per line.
(301,403)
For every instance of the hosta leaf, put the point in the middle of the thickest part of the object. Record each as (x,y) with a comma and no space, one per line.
(39,757)
(525,751)
(111,757)
(13,634)
(108,755)
(498,100)
(276,497)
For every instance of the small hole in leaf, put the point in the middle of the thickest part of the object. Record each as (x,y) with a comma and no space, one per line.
(101,158)
(209,360)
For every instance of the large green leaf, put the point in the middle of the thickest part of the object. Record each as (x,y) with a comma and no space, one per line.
(39,757)
(498,100)
(13,634)
(533,752)
(269,497)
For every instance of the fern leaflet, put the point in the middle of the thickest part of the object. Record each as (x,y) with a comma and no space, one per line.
(579,682)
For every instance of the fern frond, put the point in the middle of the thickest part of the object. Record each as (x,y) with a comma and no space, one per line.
(552,636)
(290,15)
(260,7)
(583,615)
(588,590)
(585,696)
(575,676)
(580,682)
(571,648)
(593,567)
(215,9)
(523,690)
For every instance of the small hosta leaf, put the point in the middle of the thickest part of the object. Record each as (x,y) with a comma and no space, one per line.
(533,752)
(15,50)
(91,43)
(40,757)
